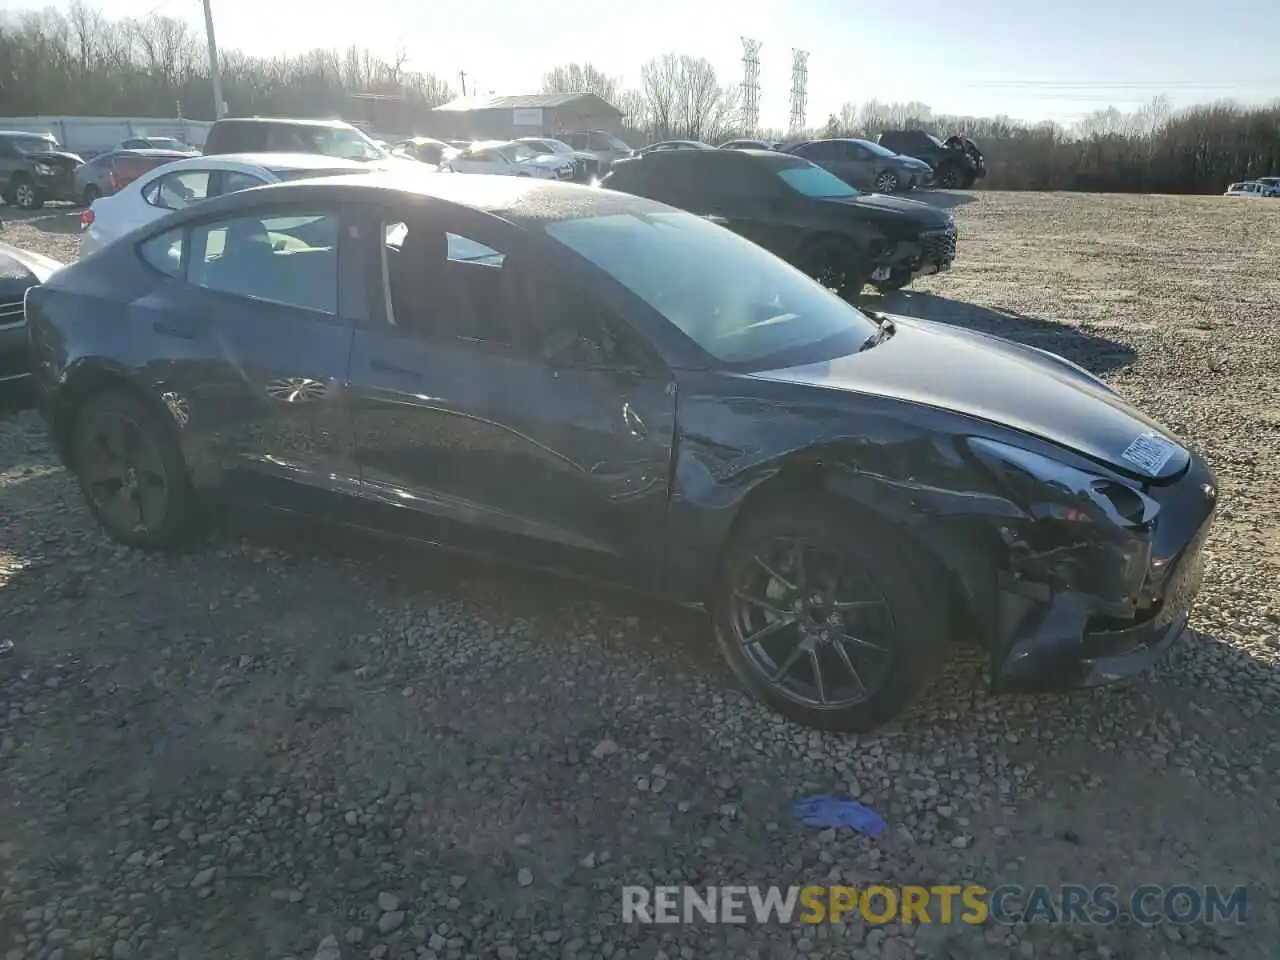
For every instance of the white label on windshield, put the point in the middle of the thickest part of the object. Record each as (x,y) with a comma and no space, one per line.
(1150,451)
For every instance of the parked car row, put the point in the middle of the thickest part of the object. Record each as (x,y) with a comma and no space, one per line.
(595,383)
(1261,187)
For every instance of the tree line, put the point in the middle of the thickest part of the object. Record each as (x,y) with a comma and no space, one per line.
(82,62)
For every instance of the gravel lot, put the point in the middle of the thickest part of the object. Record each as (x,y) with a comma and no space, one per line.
(283,738)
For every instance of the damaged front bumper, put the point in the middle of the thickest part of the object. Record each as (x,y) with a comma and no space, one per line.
(930,252)
(1105,602)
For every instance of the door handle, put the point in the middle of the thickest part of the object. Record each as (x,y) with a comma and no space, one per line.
(633,422)
(168,329)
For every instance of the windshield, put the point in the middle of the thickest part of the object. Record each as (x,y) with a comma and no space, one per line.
(516,152)
(876,148)
(555,146)
(616,144)
(733,299)
(33,144)
(813,181)
(347,144)
(936,141)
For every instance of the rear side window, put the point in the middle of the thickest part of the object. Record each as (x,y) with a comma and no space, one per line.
(289,260)
(178,190)
(164,252)
(234,181)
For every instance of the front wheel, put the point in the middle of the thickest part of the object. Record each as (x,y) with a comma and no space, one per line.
(26,195)
(896,281)
(887,182)
(91,193)
(950,178)
(826,619)
(836,265)
(132,473)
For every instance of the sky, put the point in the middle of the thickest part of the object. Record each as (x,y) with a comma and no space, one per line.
(1022,59)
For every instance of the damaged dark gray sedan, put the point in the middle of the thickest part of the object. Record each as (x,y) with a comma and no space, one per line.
(600,385)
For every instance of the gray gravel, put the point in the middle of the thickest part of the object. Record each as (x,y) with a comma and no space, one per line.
(304,746)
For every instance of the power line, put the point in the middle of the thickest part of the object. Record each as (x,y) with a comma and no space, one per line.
(750,85)
(799,88)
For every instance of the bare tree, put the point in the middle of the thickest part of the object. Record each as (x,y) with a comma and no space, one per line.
(684,99)
(582,78)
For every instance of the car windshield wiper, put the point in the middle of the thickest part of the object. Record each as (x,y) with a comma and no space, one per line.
(885,330)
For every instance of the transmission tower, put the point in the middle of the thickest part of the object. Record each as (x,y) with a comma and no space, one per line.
(750,85)
(799,88)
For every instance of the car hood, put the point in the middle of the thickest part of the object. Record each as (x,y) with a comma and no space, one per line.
(552,160)
(61,157)
(998,381)
(911,163)
(890,211)
(15,263)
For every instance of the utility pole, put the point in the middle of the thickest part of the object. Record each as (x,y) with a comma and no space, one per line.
(462,75)
(215,75)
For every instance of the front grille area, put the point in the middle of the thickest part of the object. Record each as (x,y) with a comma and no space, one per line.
(938,247)
(11,314)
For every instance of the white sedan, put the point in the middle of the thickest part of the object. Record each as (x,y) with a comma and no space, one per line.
(1252,188)
(509,159)
(184,182)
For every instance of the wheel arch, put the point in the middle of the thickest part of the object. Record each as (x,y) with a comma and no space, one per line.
(970,607)
(82,381)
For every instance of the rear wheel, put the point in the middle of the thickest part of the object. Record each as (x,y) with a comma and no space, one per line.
(132,473)
(91,193)
(887,182)
(826,619)
(835,264)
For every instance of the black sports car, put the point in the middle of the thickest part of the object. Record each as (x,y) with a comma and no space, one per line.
(599,384)
(801,212)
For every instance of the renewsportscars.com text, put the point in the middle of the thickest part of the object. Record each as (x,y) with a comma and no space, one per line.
(875,904)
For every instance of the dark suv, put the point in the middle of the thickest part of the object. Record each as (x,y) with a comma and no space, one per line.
(956,161)
(34,168)
(800,212)
(332,138)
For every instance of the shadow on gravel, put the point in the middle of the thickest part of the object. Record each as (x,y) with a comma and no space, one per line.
(1095,353)
(64,220)
(943,199)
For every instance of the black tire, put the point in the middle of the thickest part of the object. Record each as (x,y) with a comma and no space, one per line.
(901,632)
(132,473)
(887,182)
(967,181)
(835,263)
(26,195)
(91,193)
(950,177)
(897,280)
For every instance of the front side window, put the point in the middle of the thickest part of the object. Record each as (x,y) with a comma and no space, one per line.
(515,152)
(175,191)
(446,286)
(289,260)
(737,302)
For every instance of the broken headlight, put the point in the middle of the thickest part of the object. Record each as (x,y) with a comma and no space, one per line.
(1050,488)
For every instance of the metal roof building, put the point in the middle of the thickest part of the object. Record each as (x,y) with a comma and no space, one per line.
(539,114)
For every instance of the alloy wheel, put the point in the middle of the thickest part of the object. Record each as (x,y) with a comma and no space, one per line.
(813,624)
(887,183)
(25,195)
(123,474)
